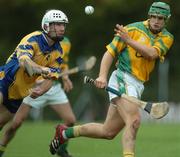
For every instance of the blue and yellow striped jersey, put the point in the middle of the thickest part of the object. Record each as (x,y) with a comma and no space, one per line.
(34,46)
(66,46)
(129,59)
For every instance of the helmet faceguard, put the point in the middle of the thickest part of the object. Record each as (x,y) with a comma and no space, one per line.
(160,9)
(53,16)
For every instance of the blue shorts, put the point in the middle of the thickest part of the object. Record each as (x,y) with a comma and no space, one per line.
(12,105)
(9,71)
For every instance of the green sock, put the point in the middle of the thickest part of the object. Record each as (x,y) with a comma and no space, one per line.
(1,128)
(73,131)
(69,132)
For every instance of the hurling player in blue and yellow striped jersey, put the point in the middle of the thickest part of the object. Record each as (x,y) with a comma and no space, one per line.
(136,46)
(55,98)
(43,53)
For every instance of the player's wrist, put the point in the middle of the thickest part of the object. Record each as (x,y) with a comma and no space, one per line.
(65,78)
(128,41)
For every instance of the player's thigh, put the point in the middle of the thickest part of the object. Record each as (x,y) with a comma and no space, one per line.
(39,102)
(114,122)
(132,87)
(5,115)
(64,111)
(127,110)
(22,113)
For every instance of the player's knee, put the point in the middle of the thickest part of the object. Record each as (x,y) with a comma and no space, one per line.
(136,123)
(16,124)
(133,126)
(109,135)
(70,124)
(70,121)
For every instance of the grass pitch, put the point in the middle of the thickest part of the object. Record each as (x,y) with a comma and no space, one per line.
(153,140)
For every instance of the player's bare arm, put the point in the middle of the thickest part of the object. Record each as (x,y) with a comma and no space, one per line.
(41,88)
(31,67)
(106,62)
(67,83)
(146,51)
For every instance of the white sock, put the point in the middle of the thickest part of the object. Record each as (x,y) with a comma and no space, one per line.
(64,135)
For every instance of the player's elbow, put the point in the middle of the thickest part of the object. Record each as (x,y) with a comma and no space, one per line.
(151,56)
(22,60)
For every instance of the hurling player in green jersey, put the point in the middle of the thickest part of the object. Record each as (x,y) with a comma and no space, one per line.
(136,46)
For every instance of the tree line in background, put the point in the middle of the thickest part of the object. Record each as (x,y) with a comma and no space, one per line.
(89,34)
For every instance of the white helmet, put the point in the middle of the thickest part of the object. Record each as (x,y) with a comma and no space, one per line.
(53,16)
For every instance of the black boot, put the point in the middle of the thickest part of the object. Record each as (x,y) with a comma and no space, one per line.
(62,151)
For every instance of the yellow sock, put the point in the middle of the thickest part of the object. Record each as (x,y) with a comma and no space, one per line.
(76,130)
(128,154)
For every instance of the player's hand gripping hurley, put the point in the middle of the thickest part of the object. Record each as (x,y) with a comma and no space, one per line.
(156,109)
(37,70)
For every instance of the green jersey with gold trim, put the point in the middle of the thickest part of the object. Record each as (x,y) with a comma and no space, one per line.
(129,59)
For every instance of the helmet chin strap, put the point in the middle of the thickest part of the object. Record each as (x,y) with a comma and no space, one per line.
(55,38)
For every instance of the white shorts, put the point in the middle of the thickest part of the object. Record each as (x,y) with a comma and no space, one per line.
(54,96)
(125,83)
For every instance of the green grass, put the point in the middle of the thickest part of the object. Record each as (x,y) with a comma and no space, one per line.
(153,140)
